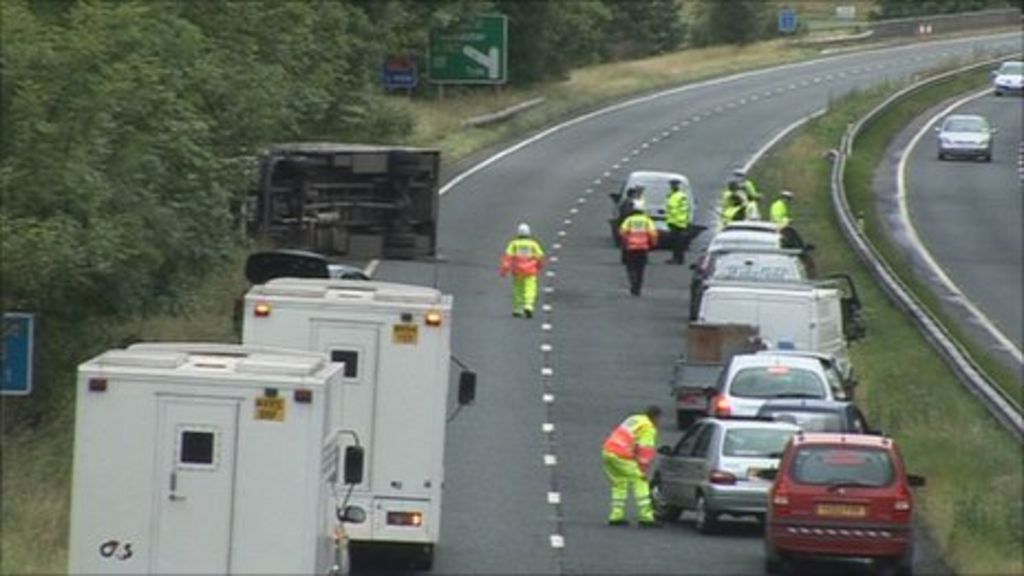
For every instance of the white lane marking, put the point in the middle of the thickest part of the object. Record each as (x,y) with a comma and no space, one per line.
(546,307)
(695,119)
(547,372)
(901,194)
(371,267)
(615,166)
(546,347)
(606,174)
(549,289)
(554,498)
(547,427)
(557,541)
(588,191)
(556,246)
(743,101)
(567,221)
(549,273)
(546,327)
(561,233)
(597,181)
(645,145)
(666,134)
(550,460)
(581,200)
(676,127)
(574,211)
(548,398)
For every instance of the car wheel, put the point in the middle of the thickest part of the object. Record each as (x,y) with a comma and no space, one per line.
(775,562)
(663,511)
(987,158)
(706,521)
(941,155)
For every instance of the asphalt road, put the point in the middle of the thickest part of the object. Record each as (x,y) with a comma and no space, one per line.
(968,214)
(506,509)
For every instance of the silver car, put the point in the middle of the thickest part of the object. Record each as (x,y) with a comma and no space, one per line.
(713,470)
(965,136)
(749,380)
(1008,78)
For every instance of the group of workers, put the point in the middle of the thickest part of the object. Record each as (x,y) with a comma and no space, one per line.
(524,255)
(629,450)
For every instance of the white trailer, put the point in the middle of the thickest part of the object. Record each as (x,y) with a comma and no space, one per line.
(395,343)
(203,459)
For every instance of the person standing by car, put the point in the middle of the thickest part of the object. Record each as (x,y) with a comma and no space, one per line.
(639,236)
(750,190)
(523,258)
(779,211)
(627,455)
(734,206)
(678,216)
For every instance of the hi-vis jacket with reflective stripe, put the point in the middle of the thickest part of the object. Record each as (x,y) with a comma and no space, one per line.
(638,232)
(523,257)
(677,209)
(634,439)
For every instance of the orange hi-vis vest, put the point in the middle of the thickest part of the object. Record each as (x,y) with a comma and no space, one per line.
(523,257)
(638,233)
(634,439)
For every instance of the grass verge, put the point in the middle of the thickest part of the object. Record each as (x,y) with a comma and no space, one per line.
(973,504)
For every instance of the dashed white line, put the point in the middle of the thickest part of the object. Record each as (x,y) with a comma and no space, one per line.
(547,427)
(581,200)
(567,221)
(546,307)
(546,347)
(546,327)
(554,498)
(561,233)
(550,460)
(549,273)
(549,289)
(547,371)
(548,398)
(557,541)
(615,166)
(556,246)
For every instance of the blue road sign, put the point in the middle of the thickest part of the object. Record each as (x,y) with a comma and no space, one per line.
(787,21)
(16,353)
(399,72)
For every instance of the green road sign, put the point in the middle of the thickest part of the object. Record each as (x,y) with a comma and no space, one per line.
(474,53)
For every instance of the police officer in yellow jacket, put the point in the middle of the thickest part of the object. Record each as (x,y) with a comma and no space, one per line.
(779,211)
(678,216)
(627,455)
(524,259)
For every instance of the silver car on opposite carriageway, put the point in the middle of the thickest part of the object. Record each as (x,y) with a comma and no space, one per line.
(713,470)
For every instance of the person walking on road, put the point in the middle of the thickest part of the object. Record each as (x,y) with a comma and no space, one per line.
(524,259)
(639,236)
(779,211)
(678,216)
(627,455)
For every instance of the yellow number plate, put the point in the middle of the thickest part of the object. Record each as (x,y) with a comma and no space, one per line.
(405,334)
(841,510)
(270,409)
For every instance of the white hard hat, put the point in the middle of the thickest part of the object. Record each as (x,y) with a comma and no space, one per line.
(523,230)
(638,204)
(786,194)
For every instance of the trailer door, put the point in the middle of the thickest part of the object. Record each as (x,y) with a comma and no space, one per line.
(195,474)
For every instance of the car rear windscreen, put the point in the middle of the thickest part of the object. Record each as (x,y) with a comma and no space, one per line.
(850,466)
(755,442)
(777,382)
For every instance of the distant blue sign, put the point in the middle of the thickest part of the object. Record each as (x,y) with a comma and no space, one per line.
(787,21)
(16,353)
(399,72)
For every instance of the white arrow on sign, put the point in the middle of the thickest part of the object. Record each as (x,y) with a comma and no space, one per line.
(488,61)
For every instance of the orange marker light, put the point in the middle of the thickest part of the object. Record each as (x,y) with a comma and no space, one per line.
(261,310)
(434,318)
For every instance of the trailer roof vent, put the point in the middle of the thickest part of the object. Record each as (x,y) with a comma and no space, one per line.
(142,359)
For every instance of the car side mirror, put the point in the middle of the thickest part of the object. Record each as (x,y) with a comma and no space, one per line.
(354,457)
(915,481)
(467,388)
(665,450)
(767,473)
(615,196)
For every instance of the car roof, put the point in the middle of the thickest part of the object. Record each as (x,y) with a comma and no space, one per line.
(742,238)
(757,256)
(803,353)
(754,225)
(655,174)
(767,359)
(972,117)
(826,438)
(747,423)
(806,404)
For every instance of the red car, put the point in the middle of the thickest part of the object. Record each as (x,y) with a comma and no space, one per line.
(841,496)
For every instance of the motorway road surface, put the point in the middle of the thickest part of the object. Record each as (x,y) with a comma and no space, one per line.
(505,509)
(969,214)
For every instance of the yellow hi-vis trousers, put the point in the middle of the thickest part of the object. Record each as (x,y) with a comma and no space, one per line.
(524,293)
(626,475)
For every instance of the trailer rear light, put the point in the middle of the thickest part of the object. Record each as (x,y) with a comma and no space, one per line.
(414,519)
(434,318)
(261,310)
(303,396)
(97,384)
(721,477)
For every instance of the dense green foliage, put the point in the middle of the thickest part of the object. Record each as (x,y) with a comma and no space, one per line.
(906,8)
(733,22)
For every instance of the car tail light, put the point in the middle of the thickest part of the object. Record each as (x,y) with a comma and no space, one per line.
(720,406)
(901,505)
(261,309)
(721,477)
(414,519)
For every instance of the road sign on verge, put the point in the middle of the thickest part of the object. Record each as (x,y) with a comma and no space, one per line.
(787,21)
(399,72)
(474,53)
(16,351)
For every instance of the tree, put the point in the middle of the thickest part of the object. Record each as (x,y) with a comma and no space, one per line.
(734,22)
(643,28)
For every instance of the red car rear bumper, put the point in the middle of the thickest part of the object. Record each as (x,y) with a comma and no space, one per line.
(840,539)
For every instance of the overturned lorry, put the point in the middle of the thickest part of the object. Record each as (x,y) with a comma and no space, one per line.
(347,200)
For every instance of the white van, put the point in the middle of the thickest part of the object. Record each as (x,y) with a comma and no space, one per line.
(796,315)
